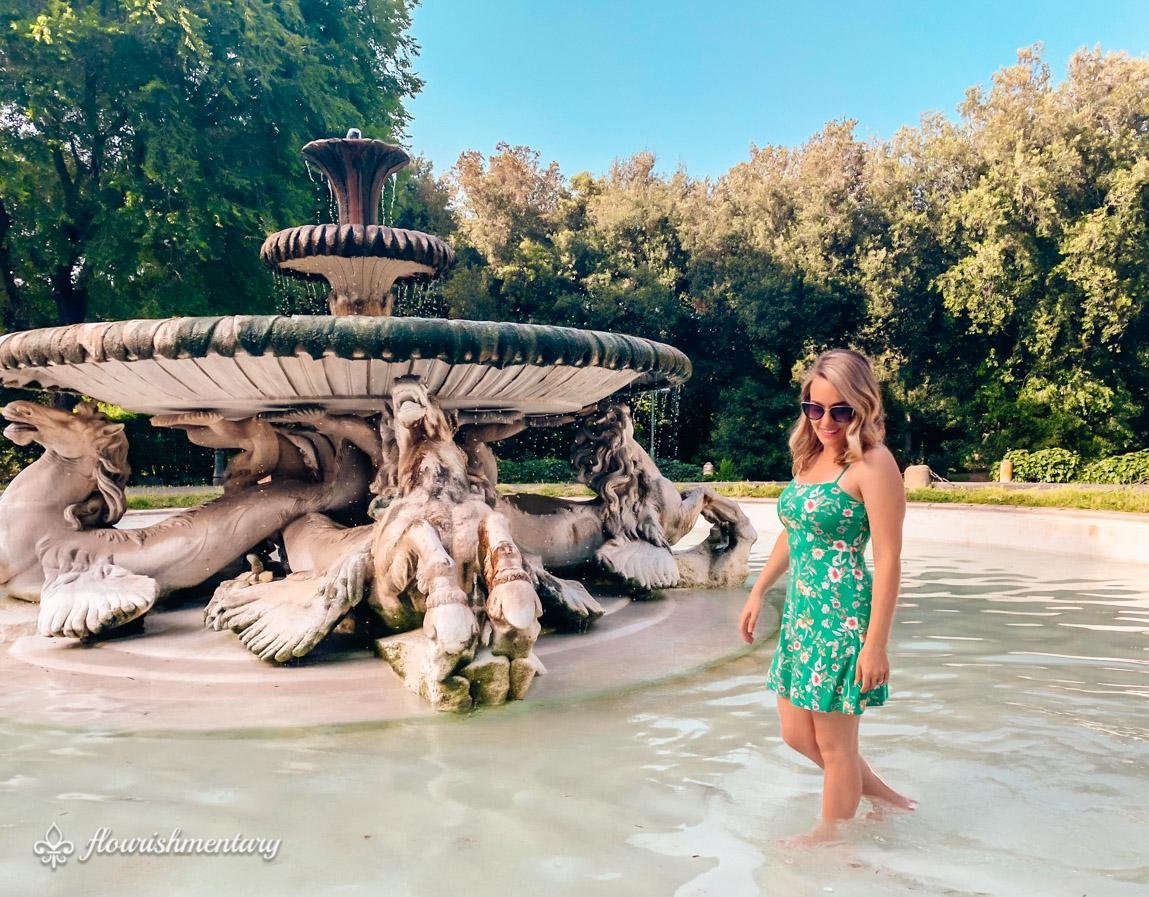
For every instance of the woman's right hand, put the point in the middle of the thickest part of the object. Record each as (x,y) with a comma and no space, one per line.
(749,618)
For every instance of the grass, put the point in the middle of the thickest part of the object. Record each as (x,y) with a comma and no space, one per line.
(1065,497)
(1117,499)
(1130,500)
(171,500)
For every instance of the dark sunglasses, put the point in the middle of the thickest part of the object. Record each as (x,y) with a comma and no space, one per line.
(838,413)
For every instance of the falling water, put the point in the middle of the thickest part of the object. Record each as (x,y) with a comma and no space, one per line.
(674,396)
(654,425)
(387,205)
(318,181)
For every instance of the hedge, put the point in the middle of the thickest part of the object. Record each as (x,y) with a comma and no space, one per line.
(1127,469)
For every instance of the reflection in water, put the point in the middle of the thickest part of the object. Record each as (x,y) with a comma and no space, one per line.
(1018,716)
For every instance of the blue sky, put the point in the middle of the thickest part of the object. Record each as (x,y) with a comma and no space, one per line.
(587,81)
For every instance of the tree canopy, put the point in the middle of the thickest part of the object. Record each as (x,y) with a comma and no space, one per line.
(148,146)
(994,267)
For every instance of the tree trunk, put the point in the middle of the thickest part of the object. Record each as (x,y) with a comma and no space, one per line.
(13,317)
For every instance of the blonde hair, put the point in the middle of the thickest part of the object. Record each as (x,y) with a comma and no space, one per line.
(850,373)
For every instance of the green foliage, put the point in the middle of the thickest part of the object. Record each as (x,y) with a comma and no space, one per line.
(148,146)
(750,433)
(536,470)
(1052,465)
(679,471)
(993,269)
(726,471)
(1132,467)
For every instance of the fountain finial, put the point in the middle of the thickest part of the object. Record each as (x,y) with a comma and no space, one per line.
(358,257)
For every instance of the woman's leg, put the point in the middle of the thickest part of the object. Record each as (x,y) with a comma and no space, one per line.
(837,738)
(798,733)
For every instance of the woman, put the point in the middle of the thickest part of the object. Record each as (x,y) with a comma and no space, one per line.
(831,662)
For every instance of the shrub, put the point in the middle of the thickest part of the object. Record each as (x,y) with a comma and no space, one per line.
(726,472)
(556,470)
(680,471)
(536,470)
(1126,469)
(1053,465)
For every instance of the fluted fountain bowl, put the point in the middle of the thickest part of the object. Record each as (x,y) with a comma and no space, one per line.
(241,365)
(360,262)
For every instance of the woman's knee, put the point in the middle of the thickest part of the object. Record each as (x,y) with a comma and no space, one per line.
(835,735)
(800,738)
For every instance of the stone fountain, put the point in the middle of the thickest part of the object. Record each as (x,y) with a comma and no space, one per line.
(361,492)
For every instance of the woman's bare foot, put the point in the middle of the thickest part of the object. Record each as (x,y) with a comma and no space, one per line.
(876,789)
(891,799)
(825,832)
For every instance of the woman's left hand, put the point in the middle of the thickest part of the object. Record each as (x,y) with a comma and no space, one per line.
(873,667)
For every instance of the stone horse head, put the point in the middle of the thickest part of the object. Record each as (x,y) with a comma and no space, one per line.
(94,449)
(429,458)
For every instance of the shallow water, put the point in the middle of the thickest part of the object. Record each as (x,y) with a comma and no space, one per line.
(1018,716)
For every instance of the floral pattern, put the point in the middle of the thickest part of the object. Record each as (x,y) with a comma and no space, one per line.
(828,601)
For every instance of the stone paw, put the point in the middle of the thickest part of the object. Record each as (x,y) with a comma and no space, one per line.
(83,597)
(566,603)
(641,564)
(279,620)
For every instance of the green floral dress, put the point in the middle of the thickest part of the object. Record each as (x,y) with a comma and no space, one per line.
(828,600)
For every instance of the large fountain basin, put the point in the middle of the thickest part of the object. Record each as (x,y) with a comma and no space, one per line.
(245,364)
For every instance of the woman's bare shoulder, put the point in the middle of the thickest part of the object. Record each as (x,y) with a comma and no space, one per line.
(879,461)
(878,454)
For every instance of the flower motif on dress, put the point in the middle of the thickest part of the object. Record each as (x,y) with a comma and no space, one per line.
(828,605)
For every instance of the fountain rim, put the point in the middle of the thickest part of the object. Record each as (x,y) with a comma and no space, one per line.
(354,241)
(353,337)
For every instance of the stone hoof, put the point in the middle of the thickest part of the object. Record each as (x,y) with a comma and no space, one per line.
(412,657)
(490,678)
(513,608)
(523,671)
(640,564)
(453,633)
(566,603)
(278,620)
(83,597)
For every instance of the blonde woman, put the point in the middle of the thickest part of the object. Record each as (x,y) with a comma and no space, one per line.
(831,662)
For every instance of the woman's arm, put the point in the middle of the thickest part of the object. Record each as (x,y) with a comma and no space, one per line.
(776,565)
(885,498)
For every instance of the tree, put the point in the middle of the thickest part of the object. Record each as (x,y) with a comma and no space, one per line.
(148,146)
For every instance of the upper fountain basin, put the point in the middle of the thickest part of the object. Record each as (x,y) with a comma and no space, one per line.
(241,365)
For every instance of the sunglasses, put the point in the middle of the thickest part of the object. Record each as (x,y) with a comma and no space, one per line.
(838,413)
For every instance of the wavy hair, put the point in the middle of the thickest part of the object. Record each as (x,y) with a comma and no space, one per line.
(604,460)
(851,374)
(107,503)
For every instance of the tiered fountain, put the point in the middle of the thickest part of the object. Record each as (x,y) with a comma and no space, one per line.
(362,495)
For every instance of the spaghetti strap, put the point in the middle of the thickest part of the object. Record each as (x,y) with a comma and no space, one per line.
(840,475)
